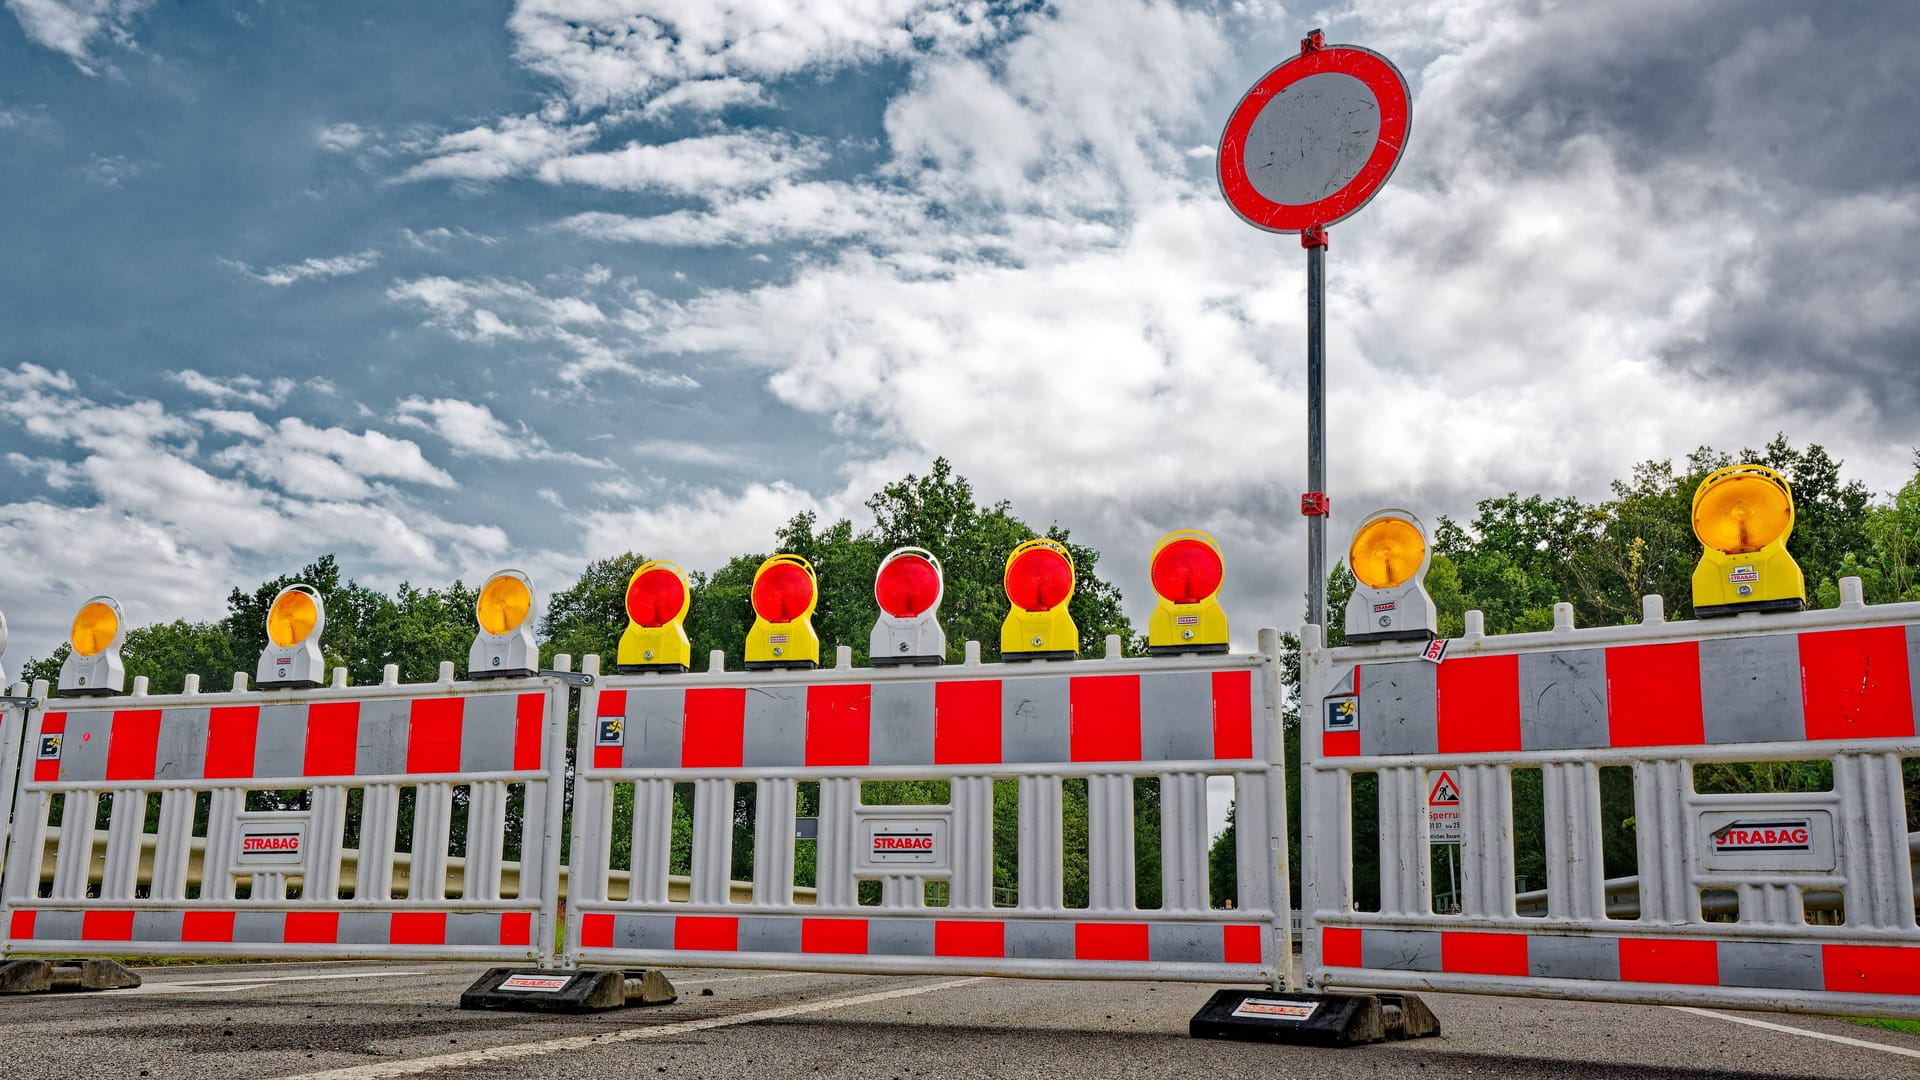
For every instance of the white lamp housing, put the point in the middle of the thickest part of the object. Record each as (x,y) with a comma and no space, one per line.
(292,659)
(1389,558)
(3,649)
(504,648)
(902,585)
(93,667)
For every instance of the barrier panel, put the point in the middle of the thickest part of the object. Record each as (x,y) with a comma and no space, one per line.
(1827,690)
(246,803)
(911,889)
(13,724)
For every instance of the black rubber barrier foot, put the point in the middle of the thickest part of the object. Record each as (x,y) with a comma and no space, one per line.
(537,990)
(1312,1019)
(55,976)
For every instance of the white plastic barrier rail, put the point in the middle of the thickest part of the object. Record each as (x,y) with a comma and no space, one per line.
(1174,721)
(13,724)
(247,801)
(1838,686)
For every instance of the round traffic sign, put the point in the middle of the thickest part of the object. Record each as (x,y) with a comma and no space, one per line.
(1314,139)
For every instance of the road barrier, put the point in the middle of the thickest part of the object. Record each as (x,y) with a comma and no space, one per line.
(1836,688)
(910,889)
(243,805)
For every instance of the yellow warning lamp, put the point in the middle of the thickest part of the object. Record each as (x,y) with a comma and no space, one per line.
(1743,515)
(1186,571)
(785,592)
(504,648)
(94,667)
(1389,558)
(656,636)
(292,660)
(1039,582)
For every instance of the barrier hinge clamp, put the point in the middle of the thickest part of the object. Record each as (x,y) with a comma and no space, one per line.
(19,702)
(571,678)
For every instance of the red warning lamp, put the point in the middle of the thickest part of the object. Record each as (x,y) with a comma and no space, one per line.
(1039,582)
(785,591)
(657,602)
(908,588)
(1187,571)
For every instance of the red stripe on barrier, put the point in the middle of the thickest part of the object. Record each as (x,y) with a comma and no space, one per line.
(596,931)
(1241,944)
(1653,695)
(1478,705)
(966,722)
(1464,952)
(607,757)
(1106,718)
(612,703)
(713,735)
(1233,714)
(333,730)
(312,928)
(970,939)
(1110,941)
(706,933)
(231,733)
(1871,969)
(106,926)
(529,722)
(46,772)
(1340,947)
(206,926)
(134,741)
(516,928)
(1854,684)
(845,936)
(417,928)
(838,720)
(1339,744)
(433,734)
(20,927)
(1655,960)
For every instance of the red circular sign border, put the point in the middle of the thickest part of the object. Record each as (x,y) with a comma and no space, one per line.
(1389,89)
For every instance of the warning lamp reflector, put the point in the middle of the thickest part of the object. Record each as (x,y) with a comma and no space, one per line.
(1040,578)
(292,617)
(656,596)
(655,638)
(504,602)
(783,593)
(1386,552)
(907,585)
(1743,515)
(1390,602)
(1187,571)
(95,627)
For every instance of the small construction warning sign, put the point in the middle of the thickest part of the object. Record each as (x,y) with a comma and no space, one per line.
(1443,809)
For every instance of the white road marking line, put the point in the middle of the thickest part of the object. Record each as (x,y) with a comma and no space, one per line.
(215,986)
(416,1066)
(1842,1039)
(749,978)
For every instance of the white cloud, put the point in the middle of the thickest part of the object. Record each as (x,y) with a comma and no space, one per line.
(240,389)
(787,213)
(71,26)
(318,269)
(690,166)
(705,96)
(340,138)
(511,147)
(473,431)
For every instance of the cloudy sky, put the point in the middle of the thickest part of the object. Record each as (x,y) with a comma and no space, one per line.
(445,288)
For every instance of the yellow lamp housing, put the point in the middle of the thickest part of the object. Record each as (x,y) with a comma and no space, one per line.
(656,636)
(1742,516)
(1389,558)
(504,648)
(93,667)
(785,592)
(1186,570)
(1039,582)
(292,661)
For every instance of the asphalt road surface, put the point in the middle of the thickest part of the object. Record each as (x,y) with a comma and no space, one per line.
(361,1021)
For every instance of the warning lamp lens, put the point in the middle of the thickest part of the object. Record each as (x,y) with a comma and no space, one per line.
(504,602)
(1386,552)
(1039,579)
(656,598)
(1742,512)
(1187,572)
(907,587)
(94,628)
(292,618)
(782,593)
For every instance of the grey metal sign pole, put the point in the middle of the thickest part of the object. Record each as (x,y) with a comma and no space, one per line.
(1316,427)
